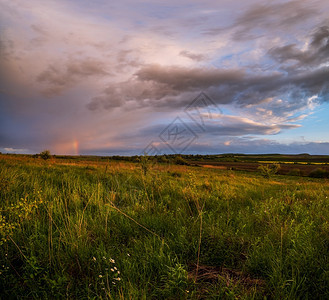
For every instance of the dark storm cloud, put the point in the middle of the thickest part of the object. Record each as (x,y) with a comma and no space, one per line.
(317,53)
(241,86)
(181,78)
(261,18)
(307,70)
(156,83)
(59,77)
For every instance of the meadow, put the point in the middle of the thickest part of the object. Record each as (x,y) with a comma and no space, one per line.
(109,229)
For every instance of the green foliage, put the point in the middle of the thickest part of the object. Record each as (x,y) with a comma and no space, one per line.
(174,282)
(16,214)
(180,161)
(45,154)
(269,169)
(71,229)
(146,162)
(163,159)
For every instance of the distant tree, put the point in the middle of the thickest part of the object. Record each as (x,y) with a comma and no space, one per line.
(45,154)
(163,159)
(180,161)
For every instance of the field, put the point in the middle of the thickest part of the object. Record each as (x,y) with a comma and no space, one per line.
(100,228)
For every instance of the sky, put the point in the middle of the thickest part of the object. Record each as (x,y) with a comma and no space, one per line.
(158,77)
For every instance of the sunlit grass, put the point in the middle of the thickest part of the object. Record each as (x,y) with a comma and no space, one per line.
(86,229)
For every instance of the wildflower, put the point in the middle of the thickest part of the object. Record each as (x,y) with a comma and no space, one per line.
(115,268)
(112,269)
(118,272)
(118,278)
(100,276)
(128,254)
(94,258)
(112,260)
(113,282)
(104,257)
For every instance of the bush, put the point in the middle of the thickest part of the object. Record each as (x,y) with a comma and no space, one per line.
(269,170)
(180,161)
(319,173)
(45,154)
(163,159)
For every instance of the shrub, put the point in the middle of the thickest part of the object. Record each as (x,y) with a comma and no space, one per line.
(180,161)
(269,170)
(163,159)
(45,154)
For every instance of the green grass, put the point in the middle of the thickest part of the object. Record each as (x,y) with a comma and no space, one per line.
(104,230)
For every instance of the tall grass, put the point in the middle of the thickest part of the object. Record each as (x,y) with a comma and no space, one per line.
(107,230)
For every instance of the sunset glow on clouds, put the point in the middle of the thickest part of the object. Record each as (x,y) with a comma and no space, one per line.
(80,77)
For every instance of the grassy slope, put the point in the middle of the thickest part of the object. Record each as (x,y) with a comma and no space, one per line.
(62,224)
